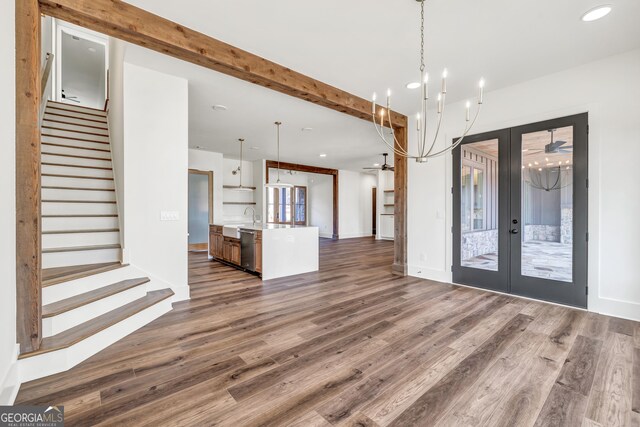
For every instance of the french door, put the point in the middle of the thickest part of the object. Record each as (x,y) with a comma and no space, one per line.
(520,210)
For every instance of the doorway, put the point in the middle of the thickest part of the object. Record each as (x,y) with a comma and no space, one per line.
(200,208)
(374,209)
(520,210)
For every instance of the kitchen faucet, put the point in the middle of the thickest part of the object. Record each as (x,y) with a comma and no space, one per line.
(253,213)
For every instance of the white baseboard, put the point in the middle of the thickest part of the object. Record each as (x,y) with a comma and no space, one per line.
(429,273)
(326,235)
(355,235)
(616,308)
(10,384)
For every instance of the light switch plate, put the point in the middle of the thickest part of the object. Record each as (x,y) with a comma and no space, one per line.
(169,216)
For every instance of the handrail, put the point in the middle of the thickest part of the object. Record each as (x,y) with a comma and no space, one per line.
(44,81)
(106,101)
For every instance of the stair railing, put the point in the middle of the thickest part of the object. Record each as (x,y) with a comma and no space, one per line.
(44,83)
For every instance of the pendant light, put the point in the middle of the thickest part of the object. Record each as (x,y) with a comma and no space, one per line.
(278,184)
(241,187)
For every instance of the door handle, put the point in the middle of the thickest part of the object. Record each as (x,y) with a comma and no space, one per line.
(514,231)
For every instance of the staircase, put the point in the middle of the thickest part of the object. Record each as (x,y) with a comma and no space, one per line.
(90,299)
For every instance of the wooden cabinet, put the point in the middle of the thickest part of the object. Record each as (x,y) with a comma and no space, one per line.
(216,241)
(231,250)
(258,251)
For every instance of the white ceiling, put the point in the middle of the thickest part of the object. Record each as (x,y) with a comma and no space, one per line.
(363,46)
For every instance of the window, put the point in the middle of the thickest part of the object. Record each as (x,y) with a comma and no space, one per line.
(280,205)
(472,197)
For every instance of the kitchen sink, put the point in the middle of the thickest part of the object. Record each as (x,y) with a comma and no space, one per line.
(232,230)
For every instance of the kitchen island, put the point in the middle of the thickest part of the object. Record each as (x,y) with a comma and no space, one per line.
(270,250)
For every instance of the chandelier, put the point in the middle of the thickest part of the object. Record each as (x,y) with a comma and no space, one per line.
(549,178)
(278,183)
(426,149)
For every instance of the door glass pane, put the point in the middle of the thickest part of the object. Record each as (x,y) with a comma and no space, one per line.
(547,204)
(198,208)
(300,205)
(479,205)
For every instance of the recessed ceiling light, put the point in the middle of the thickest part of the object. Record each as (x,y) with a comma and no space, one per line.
(413,85)
(323,155)
(255,148)
(220,107)
(307,129)
(375,165)
(596,13)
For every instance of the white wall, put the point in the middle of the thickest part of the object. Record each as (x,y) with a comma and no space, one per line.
(115,116)
(355,203)
(156,169)
(210,161)
(8,349)
(610,91)
(320,194)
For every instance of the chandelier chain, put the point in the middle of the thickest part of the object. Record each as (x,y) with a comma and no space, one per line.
(422,66)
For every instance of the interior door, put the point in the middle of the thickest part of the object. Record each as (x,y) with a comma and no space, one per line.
(548,233)
(481,211)
(200,209)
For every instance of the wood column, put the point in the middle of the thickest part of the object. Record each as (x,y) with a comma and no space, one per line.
(400,205)
(28,244)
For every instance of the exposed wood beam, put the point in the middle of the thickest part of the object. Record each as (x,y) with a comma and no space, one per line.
(28,258)
(135,25)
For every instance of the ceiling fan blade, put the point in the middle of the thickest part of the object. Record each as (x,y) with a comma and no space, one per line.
(72,100)
(371,169)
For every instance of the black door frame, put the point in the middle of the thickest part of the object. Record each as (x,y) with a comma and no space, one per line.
(508,278)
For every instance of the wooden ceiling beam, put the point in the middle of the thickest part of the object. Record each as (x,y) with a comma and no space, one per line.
(129,23)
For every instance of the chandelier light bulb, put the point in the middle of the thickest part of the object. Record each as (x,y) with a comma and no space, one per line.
(445,73)
(426,78)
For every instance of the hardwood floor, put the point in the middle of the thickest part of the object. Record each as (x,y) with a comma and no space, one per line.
(354,345)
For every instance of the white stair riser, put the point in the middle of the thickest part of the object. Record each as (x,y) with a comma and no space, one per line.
(58,115)
(74,107)
(58,361)
(79,286)
(62,123)
(54,208)
(68,160)
(62,322)
(74,142)
(75,152)
(70,170)
(66,240)
(94,136)
(51,224)
(77,114)
(58,194)
(59,181)
(65,259)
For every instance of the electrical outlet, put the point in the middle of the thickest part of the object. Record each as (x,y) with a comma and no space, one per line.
(169,216)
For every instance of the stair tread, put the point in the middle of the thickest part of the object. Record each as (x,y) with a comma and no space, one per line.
(55,187)
(75,156)
(85,330)
(78,201)
(76,176)
(53,276)
(81,216)
(73,124)
(80,300)
(74,138)
(88,230)
(73,117)
(74,166)
(60,107)
(76,106)
(51,144)
(80,248)
(73,131)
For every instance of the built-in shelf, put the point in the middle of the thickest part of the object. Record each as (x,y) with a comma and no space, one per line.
(238,203)
(388,214)
(234,187)
(389,191)
(388,204)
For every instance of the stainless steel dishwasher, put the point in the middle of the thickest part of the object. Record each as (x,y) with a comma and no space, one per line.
(247,249)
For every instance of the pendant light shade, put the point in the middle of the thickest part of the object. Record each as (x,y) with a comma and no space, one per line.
(278,183)
(241,187)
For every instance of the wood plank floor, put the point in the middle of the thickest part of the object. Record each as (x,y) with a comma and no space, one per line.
(353,345)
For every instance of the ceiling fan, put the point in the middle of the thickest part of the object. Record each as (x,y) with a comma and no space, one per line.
(555,146)
(69,98)
(384,167)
